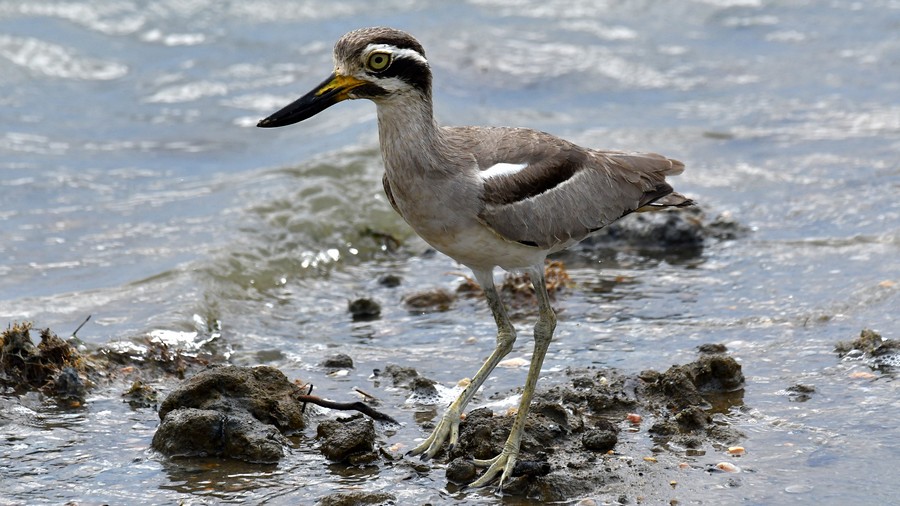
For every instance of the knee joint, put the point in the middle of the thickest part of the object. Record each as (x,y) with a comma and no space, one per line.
(505,340)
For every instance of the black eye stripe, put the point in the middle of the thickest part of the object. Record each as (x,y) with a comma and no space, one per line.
(413,71)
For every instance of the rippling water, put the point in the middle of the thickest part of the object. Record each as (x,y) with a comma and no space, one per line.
(135,188)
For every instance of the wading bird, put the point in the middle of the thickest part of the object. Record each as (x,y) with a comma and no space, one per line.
(485,196)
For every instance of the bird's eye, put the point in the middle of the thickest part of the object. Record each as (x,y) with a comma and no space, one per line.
(378,61)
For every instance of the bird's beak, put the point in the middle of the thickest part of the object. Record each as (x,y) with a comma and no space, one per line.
(332,90)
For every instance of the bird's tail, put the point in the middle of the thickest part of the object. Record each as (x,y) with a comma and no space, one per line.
(673,199)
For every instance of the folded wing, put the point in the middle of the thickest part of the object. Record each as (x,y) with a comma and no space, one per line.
(549,193)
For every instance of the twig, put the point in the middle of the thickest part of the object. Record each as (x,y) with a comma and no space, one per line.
(347,406)
(365,394)
(82,325)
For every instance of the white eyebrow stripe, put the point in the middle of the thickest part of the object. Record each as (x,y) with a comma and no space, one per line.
(397,52)
(502,169)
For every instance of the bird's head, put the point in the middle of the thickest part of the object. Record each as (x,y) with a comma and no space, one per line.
(374,63)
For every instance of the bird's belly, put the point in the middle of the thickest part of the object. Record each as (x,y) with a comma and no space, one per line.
(478,247)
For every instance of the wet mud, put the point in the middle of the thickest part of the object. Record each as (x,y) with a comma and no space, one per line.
(573,445)
(598,433)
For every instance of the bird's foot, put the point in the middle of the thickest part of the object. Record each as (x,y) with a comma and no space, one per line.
(502,464)
(447,428)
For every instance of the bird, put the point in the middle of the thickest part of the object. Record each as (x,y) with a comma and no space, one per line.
(487,197)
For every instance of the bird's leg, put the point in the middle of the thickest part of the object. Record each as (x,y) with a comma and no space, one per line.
(504,463)
(448,427)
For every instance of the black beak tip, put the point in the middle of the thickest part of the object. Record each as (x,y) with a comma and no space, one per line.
(265,123)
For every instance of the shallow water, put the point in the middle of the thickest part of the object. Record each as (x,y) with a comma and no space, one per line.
(136,189)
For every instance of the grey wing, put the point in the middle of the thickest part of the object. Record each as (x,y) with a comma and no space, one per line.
(559,200)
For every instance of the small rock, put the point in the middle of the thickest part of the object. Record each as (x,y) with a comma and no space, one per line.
(692,418)
(398,374)
(390,280)
(728,467)
(141,395)
(338,361)
(364,309)
(461,470)
(712,348)
(190,432)
(69,387)
(531,468)
(345,437)
(512,363)
(599,440)
(664,230)
(423,388)
(437,299)
(800,393)
(357,498)
(736,450)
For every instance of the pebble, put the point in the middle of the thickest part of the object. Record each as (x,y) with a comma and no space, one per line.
(736,450)
(633,418)
(513,362)
(728,467)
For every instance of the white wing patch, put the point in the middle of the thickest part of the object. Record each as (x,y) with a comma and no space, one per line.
(502,169)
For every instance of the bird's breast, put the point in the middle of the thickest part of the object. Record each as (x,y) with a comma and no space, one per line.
(445,214)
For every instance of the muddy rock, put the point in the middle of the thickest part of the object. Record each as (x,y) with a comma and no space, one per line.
(600,440)
(664,230)
(153,355)
(229,411)
(350,440)
(338,361)
(712,348)
(800,392)
(390,280)
(364,309)
(681,232)
(683,385)
(191,432)
(423,388)
(461,471)
(397,374)
(692,418)
(358,498)
(141,395)
(877,352)
(481,435)
(435,300)
(69,387)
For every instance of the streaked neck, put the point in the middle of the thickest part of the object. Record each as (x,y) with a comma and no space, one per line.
(409,136)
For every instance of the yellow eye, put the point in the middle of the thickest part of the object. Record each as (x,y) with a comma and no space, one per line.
(378,61)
